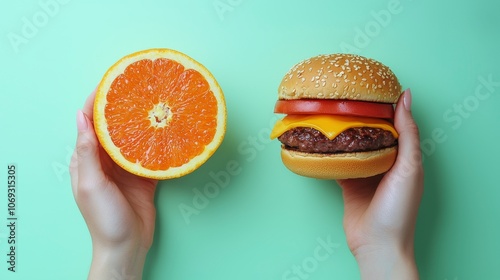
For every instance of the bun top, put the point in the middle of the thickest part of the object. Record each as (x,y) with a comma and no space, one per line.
(341,76)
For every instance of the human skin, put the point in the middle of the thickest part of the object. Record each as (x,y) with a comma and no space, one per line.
(380,212)
(117,206)
(379,217)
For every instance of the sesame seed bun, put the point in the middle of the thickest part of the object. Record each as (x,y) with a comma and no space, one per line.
(339,166)
(341,76)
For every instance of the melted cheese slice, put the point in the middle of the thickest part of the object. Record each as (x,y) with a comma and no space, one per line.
(329,125)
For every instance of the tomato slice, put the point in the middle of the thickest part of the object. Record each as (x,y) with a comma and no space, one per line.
(335,107)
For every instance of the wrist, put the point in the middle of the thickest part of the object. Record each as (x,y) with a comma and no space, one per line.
(387,262)
(124,261)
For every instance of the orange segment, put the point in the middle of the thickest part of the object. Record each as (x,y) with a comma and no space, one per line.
(159,114)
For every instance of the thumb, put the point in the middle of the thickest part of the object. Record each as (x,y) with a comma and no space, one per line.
(403,185)
(409,160)
(401,189)
(87,152)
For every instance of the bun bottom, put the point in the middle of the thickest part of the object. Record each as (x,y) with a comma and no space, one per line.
(339,166)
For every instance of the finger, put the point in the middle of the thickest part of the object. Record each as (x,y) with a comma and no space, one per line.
(87,155)
(88,107)
(358,193)
(409,160)
(73,171)
(359,183)
(401,189)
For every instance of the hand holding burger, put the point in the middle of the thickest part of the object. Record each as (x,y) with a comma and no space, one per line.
(339,121)
(380,212)
(341,124)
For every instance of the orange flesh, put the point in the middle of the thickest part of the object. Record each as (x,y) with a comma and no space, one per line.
(159,114)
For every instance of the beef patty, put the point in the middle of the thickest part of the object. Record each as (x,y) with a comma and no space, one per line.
(357,139)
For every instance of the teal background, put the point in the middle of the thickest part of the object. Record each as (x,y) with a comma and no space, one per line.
(266,219)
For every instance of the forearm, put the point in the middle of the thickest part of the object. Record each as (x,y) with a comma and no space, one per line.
(122,262)
(387,264)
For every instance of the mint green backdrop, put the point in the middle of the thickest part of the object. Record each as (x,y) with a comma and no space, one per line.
(264,219)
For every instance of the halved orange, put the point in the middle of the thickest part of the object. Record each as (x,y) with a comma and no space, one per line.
(159,113)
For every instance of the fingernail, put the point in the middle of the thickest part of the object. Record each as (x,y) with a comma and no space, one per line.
(407,99)
(81,121)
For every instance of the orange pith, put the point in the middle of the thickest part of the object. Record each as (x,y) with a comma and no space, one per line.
(161,119)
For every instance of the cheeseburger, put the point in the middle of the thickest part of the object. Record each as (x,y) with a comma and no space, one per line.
(339,117)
